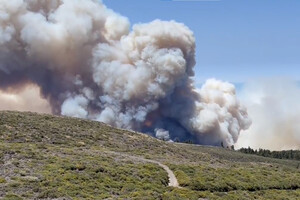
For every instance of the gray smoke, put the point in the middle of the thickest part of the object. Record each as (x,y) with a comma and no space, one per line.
(88,64)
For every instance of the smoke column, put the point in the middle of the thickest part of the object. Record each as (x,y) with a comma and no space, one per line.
(88,64)
(274,104)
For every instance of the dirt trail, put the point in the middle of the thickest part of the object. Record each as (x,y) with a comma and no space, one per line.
(172,178)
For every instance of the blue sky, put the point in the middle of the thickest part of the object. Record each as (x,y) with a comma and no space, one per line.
(237,40)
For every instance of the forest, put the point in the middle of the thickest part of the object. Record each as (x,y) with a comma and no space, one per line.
(286,154)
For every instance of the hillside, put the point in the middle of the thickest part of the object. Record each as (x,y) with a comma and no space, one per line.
(49,157)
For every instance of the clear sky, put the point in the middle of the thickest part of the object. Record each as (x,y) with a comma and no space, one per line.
(236,40)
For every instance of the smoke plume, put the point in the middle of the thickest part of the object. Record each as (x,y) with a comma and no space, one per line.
(88,64)
(28,99)
(274,104)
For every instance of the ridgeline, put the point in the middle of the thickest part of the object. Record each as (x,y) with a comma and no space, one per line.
(50,157)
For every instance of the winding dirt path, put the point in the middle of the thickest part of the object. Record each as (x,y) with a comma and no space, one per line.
(173,182)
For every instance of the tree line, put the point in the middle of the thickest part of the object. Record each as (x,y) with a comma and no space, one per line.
(286,154)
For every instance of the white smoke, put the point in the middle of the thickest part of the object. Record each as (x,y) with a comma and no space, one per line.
(274,106)
(162,134)
(75,107)
(219,113)
(89,64)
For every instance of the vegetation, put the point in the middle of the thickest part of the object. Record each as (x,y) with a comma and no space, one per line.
(51,172)
(290,154)
(236,177)
(48,157)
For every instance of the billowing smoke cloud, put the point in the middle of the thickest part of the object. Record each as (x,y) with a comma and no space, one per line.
(88,64)
(274,106)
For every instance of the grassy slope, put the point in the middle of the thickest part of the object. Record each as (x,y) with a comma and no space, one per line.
(46,157)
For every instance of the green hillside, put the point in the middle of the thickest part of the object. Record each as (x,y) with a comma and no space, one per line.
(49,157)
